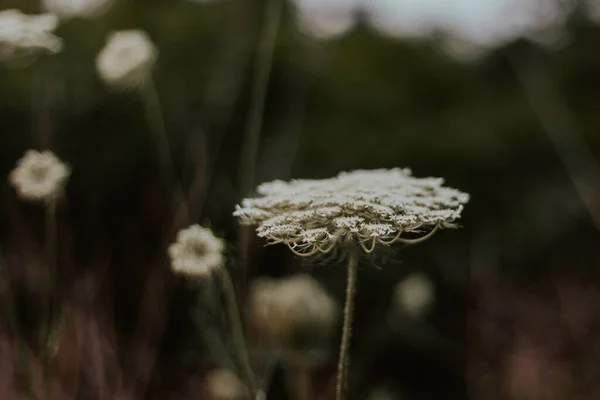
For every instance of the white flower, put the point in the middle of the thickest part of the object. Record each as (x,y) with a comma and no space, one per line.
(39,176)
(23,36)
(127,59)
(295,315)
(77,8)
(197,251)
(367,207)
(414,295)
(222,384)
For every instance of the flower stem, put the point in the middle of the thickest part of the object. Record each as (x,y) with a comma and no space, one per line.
(236,325)
(262,70)
(347,328)
(162,147)
(50,239)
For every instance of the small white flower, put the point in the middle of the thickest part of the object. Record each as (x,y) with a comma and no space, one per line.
(127,59)
(39,176)
(23,36)
(414,295)
(222,384)
(77,8)
(197,251)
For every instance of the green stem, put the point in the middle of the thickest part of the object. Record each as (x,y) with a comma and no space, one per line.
(343,362)
(50,239)
(162,147)
(237,330)
(262,69)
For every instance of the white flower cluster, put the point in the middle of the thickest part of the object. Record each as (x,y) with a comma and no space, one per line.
(197,251)
(223,384)
(39,176)
(127,59)
(366,206)
(77,8)
(23,35)
(293,313)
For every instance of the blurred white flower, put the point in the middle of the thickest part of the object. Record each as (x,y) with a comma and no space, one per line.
(39,176)
(127,59)
(325,19)
(23,36)
(222,384)
(381,394)
(77,8)
(369,207)
(197,251)
(414,295)
(294,315)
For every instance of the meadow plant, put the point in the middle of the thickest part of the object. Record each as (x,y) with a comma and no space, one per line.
(223,384)
(25,36)
(39,176)
(294,315)
(197,252)
(352,212)
(66,9)
(414,295)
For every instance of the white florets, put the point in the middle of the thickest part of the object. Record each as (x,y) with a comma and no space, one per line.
(39,176)
(127,59)
(23,36)
(77,8)
(197,251)
(366,206)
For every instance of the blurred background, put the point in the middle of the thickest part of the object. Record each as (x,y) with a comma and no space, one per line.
(499,97)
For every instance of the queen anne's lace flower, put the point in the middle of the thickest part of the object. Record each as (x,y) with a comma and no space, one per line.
(39,176)
(197,251)
(222,384)
(77,8)
(295,315)
(365,206)
(127,59)
(23,36)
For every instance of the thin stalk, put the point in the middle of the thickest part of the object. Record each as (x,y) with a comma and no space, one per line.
(233,313)
(262,68)
(162,147)
(343,362)
(50,242)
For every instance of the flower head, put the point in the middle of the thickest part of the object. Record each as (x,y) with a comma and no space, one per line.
(414,295)
(197,251)
(127,59)
(77,8)
(23,36)
(368,207)
(39,176)
(295,315)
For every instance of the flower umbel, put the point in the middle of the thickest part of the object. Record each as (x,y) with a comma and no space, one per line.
(295,315)
(39,176)
(222,384)
(197,251)
(77,8)
(23,35)
(368,207)
(127,59)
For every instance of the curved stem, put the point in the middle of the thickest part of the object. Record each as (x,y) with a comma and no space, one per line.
(347,328)
(262,68)
(162,147)
(233,313)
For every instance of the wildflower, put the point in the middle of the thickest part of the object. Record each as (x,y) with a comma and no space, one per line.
(127,59)
(295,315)
(367,207)
(23,36)
(414,295)
(222,384)
(77,8)
(39,176)
(197,251)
